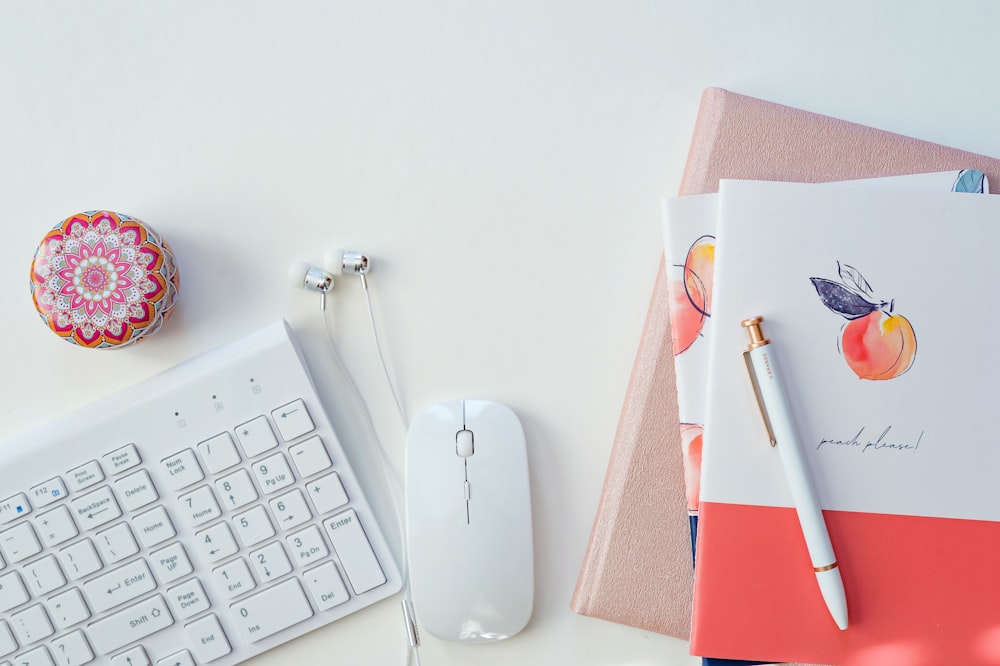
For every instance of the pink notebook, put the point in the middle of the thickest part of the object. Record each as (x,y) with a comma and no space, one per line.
(637,568)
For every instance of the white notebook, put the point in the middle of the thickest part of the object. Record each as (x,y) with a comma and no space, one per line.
(880,308)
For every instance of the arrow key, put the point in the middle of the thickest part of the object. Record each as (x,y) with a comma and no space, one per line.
(182,658)
(134,657)
(290,510)
(293,420)
(216,543)
(236,490)
(270,562)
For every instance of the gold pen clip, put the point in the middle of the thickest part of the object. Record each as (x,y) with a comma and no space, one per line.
(757,339)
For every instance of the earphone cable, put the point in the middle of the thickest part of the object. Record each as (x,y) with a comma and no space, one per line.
(395,489)
(381,357)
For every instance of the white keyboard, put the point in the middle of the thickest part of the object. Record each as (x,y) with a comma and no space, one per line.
(203,516)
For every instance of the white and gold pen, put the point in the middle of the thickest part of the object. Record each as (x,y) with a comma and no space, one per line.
(773,402)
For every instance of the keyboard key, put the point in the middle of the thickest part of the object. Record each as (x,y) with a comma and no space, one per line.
(117,543)
(38,657)
(12,591)
(253,526)
(134,657)
(80,559)
(85,475)
(327,493)
(46,493)
(95,509)
(351,545)
(7,642)
(268,612)
(171,563)
(44,575)
(307,546)
(122,459)
(72,650)
(14,507)
(68,608)
(130,625)
(208,640)
(19,543)
(235,576)
(293,420)
(183,469)
(182,658)
(119,586)
(153,527)
(188,599)
(219,453)
(32,624)
(270,562)
(236,490)
(325,586)
(136,490)
(200,506)
(290,510)
(56,526)
(310,457)
(256,437)
(216,542)
(273,473)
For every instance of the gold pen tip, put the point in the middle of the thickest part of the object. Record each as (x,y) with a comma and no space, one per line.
(757,338)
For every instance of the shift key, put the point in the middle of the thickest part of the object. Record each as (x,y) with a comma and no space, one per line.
(131,624)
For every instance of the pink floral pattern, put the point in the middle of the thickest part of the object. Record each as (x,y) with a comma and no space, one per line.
(104,280)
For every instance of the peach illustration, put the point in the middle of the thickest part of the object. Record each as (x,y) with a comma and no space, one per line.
(686,321)
(699,267)
(691,439)
(877,343)
(690,291)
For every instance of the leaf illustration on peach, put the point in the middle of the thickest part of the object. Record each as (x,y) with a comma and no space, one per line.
(876,342)
(848,304)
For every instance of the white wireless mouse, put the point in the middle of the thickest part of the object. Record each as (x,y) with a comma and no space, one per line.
(468,521)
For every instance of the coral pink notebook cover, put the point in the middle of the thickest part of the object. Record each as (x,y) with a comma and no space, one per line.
(637,567)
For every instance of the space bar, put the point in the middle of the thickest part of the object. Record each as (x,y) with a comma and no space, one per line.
(272,610)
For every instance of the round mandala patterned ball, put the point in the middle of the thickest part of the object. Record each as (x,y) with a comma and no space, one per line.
(104,280)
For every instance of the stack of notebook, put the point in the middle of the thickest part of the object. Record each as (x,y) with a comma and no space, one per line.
(735,137)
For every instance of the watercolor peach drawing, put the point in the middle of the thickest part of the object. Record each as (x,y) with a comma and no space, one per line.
(877,343)
(691,440)
(690,291)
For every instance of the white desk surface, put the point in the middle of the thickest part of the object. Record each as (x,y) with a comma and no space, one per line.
(501,163)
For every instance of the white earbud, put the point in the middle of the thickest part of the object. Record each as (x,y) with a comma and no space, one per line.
(302,274)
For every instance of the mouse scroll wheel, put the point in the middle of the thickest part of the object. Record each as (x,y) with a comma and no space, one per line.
(464,443)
